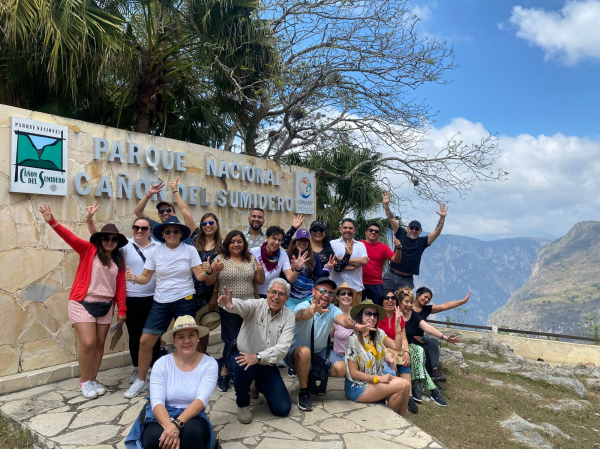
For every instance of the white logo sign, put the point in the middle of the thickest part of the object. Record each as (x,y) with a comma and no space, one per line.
(38,157)
(305,190)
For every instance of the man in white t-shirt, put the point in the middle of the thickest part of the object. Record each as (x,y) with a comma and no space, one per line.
(352,274)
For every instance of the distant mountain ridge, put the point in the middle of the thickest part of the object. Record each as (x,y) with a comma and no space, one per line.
(564,286)
(491,270)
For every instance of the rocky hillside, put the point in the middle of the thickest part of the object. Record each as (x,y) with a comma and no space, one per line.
(564,286)
(491,271)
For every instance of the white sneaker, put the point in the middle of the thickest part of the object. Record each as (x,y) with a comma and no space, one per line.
(100,390)
(137,387)
(88,390)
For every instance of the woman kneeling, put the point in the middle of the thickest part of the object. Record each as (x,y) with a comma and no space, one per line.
(366,358)
(180,387)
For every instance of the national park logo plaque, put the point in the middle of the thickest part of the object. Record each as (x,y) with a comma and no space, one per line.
(38,157)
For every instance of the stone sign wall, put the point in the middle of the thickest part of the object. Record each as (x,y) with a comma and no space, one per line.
(37,268)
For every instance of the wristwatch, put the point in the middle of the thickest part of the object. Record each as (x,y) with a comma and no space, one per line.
(258,357)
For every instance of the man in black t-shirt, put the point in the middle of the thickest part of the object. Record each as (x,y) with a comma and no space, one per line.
(401,274)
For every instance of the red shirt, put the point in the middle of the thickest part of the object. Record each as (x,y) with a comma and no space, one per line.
(389,326)
(377,253)
(87,251)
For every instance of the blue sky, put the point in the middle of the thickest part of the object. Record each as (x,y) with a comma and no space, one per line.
(528,71)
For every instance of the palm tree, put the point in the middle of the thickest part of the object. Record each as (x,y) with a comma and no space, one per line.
(357,197)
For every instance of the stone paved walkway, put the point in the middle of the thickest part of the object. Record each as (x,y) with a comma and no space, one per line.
(59,417)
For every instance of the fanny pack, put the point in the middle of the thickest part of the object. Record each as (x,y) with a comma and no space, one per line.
(97,309)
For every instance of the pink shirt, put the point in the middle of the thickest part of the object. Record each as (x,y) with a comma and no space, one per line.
(340,337)
(103,283)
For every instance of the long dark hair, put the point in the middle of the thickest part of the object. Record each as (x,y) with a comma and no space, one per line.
(293,251)
(225,250)
(201,237)
(116,256)
(372,334)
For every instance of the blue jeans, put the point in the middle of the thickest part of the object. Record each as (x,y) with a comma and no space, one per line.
(268,381)
(161,314)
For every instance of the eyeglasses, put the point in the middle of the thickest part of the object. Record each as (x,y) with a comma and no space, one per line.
(326,292)
(374,231)
(414,228)
(174,231)
(276,240)
(318,230)
(369,314)
(278,294)
(208,223)
(137,228)
(345,293)
(389,298)
(109,239)
(167,210)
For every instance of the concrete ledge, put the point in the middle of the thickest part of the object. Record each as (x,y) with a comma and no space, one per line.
(29,379)
(550,351)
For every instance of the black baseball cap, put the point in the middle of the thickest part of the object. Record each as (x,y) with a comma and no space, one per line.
(415,223)
(325,280)
(317,224)
(162,203)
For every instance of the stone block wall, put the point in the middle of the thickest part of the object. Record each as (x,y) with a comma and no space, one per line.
(37,268)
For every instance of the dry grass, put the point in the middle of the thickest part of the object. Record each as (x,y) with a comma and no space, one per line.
(11,438)
(472,419)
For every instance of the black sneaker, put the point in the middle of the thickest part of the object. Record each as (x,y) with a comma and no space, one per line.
(292,373)
(412,405)
(416,394)
(304,401)
(437,397)
(223,383)
(437,375)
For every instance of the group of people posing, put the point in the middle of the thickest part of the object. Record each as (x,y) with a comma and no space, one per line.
(290,299)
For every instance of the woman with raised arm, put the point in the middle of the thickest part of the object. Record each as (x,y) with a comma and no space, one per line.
(420,377)
(180,387)
(172,264)
(99,284)
(240,275)
(388,325)
(366,357)
(139,297)
(431,345)
(319,242)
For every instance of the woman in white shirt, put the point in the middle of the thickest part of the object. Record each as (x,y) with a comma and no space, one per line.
(274,260)
(173,263)
(139,297)
(180,388)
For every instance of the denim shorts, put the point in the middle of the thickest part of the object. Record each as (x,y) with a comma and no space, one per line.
(161,314)
(353,390)
(400,369)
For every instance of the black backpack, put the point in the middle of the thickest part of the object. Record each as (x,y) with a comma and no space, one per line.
(318,374)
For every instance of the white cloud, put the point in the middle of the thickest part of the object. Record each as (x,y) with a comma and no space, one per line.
(553,183)
(569,35)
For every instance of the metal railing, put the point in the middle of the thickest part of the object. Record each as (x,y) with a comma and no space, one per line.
(517,331)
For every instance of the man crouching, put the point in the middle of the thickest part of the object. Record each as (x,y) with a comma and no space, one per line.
(265,338)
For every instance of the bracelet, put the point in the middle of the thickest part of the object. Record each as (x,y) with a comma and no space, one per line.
(148,196)
(135,279)
(89,221)
(297,270)
(175,191)
(442,337)
(376,380)
(178,423)
(54,225)
(354,326)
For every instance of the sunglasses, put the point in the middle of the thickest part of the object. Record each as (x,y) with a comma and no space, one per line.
(208,223)
(389,298)
(318,230)
(369,314)
(140,228)
(174,231)
(108,239)
(326,292)
(414,228)
(374,231)
(167,210)
(345,293)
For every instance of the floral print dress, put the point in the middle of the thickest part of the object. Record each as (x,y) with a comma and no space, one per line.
(370,357)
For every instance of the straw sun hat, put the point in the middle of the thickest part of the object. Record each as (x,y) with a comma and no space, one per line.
(367,303)
(184,322)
